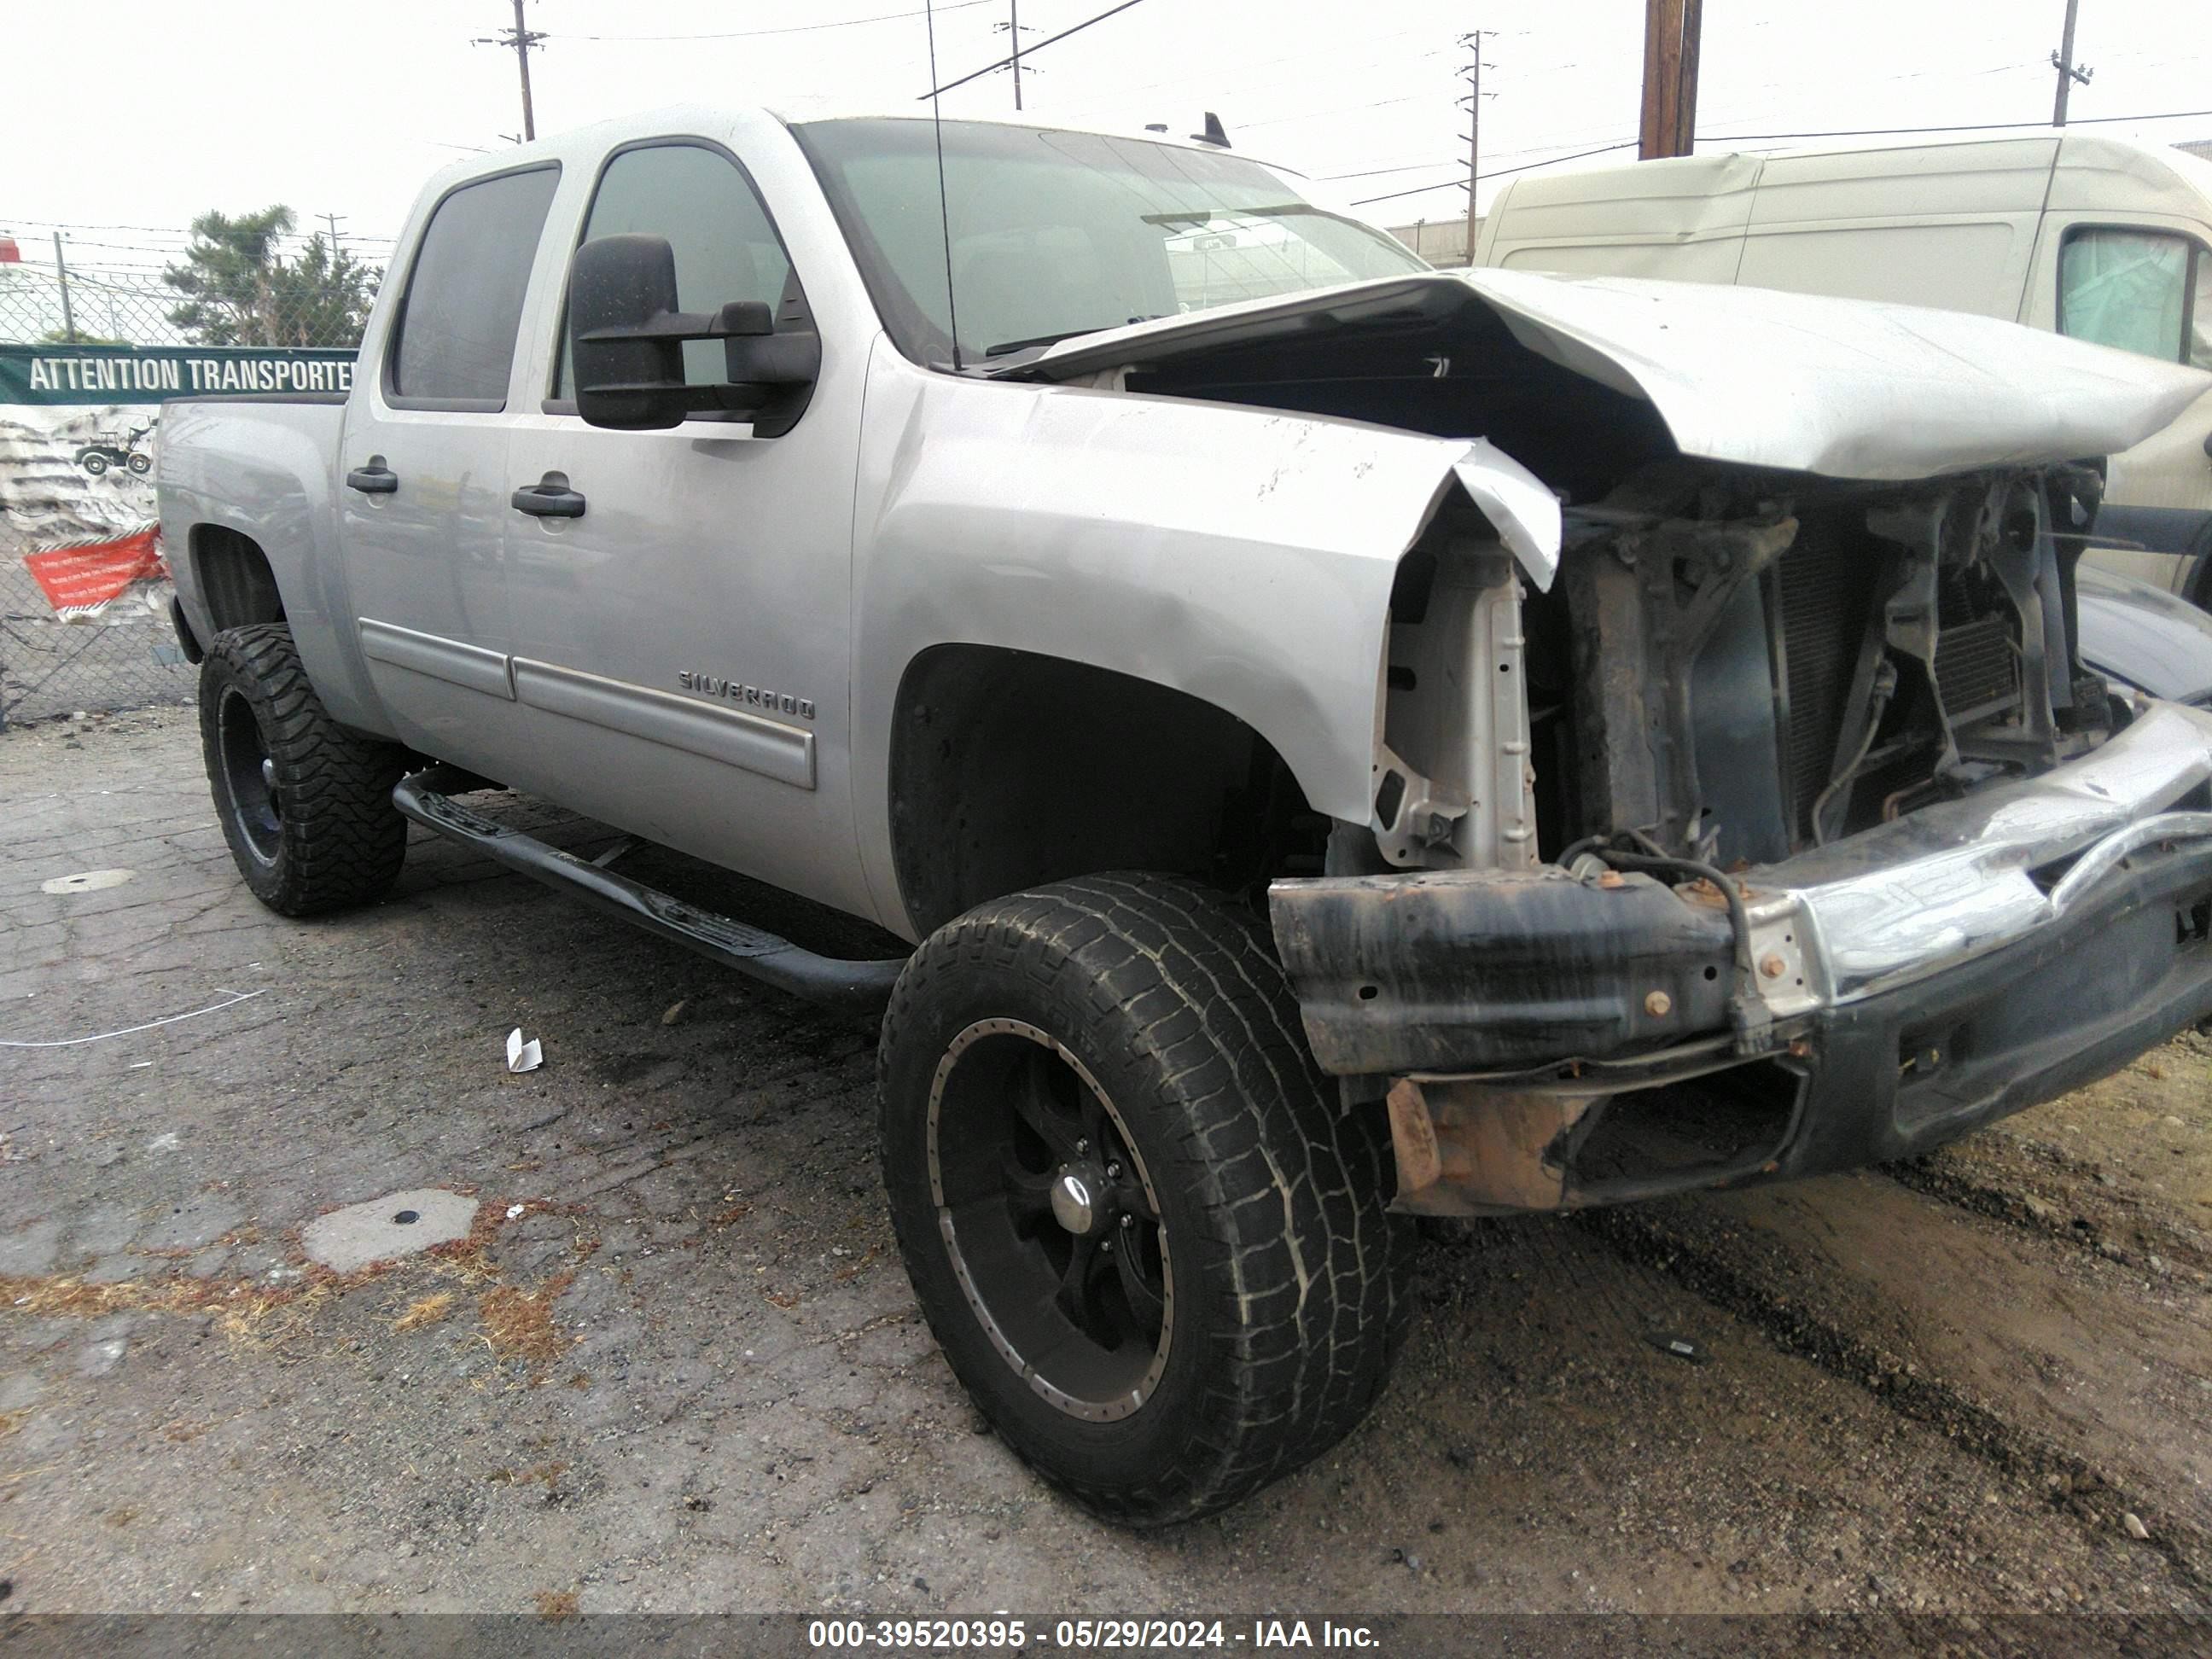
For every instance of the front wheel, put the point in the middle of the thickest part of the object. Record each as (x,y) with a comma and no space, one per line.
(140,465)
(305,804)
(1155,1252)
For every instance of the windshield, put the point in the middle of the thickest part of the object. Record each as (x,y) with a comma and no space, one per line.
(1055,234)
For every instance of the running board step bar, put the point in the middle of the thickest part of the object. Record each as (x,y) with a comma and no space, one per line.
(426,798)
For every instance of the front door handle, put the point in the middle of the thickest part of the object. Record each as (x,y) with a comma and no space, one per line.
(549,498)
(373,479)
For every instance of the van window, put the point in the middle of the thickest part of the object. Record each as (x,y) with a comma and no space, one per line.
(454,339)
(2133,289)
(726,247)
(2200,314)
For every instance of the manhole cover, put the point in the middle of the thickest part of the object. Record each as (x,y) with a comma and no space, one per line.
(401,1224)
(86,881)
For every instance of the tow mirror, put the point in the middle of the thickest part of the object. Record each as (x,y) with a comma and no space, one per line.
(626,341)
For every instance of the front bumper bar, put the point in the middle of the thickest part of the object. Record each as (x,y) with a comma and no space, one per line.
(1919,979)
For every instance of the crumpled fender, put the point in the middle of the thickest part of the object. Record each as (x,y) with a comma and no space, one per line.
(1242,556)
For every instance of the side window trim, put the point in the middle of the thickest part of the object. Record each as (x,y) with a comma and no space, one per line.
(2191,275)
(396,333)
(550,403)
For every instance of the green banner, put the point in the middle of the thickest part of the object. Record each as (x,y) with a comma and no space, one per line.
(151,375)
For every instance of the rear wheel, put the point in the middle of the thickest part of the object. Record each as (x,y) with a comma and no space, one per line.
(305,804)
(1153,1250)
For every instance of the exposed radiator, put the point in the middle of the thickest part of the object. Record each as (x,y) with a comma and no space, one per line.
(1977,670)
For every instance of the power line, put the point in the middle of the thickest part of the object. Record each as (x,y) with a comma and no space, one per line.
(1752,137)
(978,75)
(1971,126)
(1374,172)
(1214,89)
(794,29)
(1315,114)
(1495,173)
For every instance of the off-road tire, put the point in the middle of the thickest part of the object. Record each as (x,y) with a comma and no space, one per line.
(334,839)
(1291,1292)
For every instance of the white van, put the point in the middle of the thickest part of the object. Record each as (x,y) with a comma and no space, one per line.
(2098,237)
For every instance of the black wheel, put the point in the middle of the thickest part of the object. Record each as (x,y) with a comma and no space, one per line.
(1154,1250)
(305,804)
(95,465)
(140,465)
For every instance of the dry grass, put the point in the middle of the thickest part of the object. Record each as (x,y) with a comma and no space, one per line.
(425,1310)
(557,1606)
(519,1325)
(549,1475)
(241,1305)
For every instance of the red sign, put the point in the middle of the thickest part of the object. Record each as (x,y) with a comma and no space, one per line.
(92,572)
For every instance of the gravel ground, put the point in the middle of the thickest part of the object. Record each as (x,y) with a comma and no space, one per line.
(675,1367)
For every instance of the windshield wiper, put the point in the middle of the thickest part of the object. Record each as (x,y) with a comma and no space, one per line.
(1007,348)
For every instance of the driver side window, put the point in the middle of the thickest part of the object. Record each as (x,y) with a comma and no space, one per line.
(2140,290)
(726,247)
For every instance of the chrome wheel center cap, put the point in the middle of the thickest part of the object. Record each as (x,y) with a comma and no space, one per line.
(268,774)
(1078,1201)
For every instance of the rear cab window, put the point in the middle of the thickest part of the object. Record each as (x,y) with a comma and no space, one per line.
(454,341)
(2141,290)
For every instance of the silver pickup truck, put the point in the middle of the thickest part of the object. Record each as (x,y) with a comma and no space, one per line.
(1345,740)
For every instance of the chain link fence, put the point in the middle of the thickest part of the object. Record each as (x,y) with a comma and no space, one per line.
(85,359)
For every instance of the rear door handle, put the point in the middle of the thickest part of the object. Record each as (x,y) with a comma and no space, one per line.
(374,479)
(549,498)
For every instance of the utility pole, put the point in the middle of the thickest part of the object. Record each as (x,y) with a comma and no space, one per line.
(1669,126)
(332,220)
(61,272)
(2069,72)
(523,39)
(1011,28)
(1472,42)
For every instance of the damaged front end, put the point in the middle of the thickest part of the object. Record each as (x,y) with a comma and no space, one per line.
(1784,834)
(1768,821)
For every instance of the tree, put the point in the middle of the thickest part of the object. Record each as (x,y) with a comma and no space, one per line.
(240,290)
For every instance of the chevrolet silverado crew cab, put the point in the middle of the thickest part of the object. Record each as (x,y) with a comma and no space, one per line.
(1343,740)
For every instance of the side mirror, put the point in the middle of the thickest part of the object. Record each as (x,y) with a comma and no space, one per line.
(623,377)
(626,342)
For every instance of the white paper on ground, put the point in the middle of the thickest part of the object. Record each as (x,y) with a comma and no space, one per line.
(523,1056)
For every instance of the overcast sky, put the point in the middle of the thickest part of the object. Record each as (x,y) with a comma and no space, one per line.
(124,120)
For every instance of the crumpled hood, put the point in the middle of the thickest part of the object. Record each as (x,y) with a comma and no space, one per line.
(1843,388)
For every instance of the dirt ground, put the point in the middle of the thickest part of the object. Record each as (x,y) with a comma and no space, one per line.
(675,1367)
